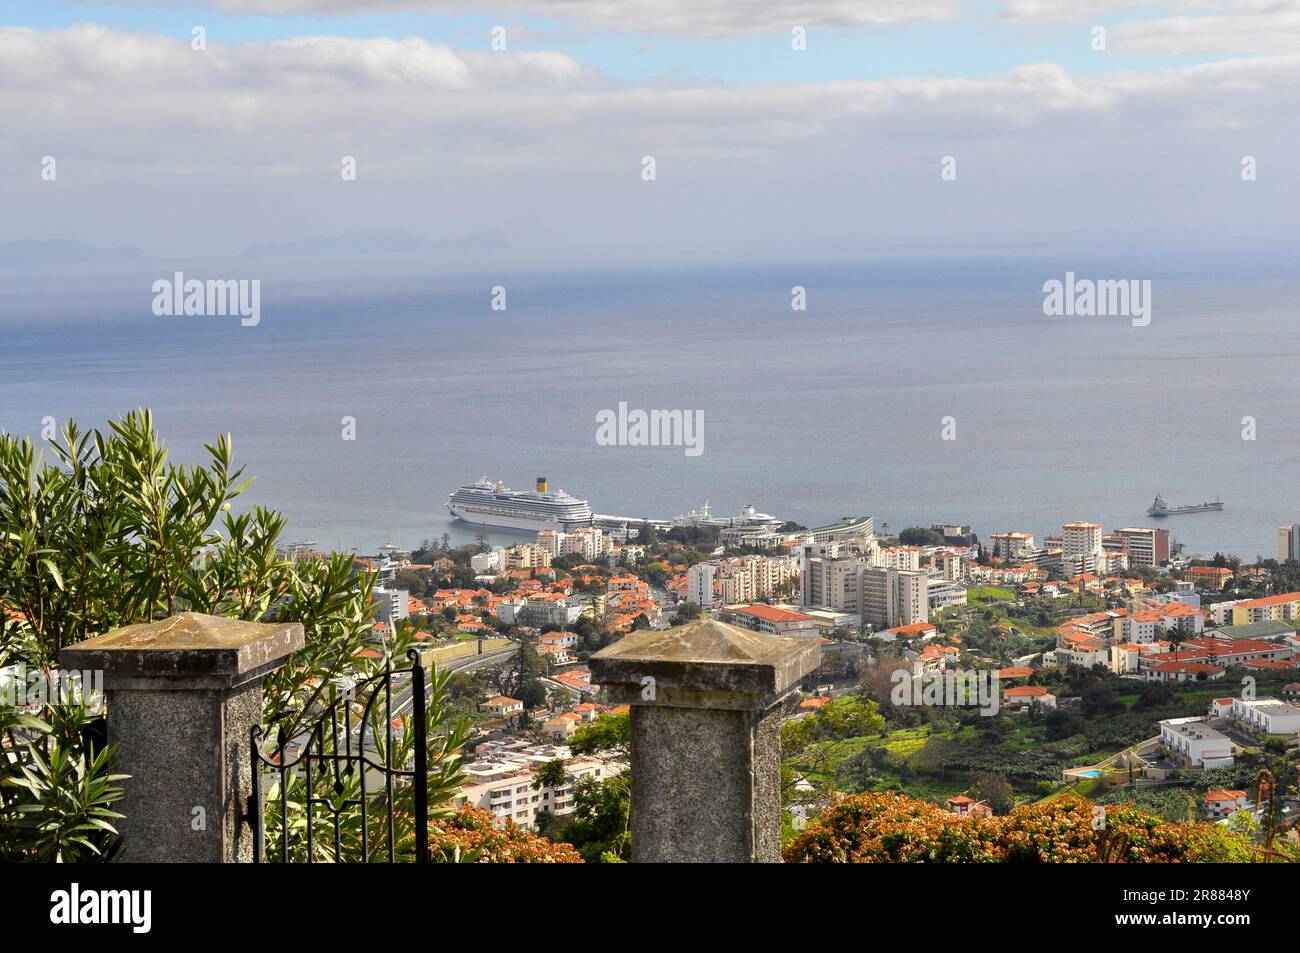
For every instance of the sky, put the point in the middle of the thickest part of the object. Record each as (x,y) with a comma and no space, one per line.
(1052,119)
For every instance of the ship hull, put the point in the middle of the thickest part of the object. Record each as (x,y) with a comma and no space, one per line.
(467,513)
(1185,510)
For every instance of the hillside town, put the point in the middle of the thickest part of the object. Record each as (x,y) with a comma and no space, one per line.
(1192,662)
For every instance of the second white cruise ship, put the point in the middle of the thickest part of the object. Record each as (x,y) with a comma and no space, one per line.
(492,503)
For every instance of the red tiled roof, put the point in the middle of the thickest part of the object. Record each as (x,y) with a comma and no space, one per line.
(1188,668)
(916,628)
(1277,600)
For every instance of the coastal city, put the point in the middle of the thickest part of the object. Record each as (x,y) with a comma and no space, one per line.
(438,436)
(1098,663)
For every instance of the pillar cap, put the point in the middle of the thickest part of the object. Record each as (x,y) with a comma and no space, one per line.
(185,647)
(704,664)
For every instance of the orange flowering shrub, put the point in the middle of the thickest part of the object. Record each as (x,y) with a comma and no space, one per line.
(468,837)
(890,828)
(1153,841)
(1056,833)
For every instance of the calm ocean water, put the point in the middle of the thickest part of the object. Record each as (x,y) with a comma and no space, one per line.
(837,410)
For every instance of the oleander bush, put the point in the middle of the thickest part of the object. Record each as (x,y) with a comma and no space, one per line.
(102,529)
(892,828)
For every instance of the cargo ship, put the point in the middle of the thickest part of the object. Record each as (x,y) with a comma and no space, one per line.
(1160,508)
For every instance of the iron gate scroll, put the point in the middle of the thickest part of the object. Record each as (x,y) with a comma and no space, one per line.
(338,752)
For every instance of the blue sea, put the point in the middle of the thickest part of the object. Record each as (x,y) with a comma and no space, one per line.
(810,415)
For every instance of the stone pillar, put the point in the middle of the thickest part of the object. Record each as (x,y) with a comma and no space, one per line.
(182,697)
(706,747)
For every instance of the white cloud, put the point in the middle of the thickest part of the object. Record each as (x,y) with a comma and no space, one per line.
(683,18)
(1177,27)
(1158,27)
(1272,28)
(246,140)
(1055,11)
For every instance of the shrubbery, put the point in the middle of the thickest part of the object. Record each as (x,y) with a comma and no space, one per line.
(108,532)
(469,837)
(892,828)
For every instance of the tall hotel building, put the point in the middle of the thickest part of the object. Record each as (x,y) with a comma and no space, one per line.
(831,581)
(893,597)
(699,584)
(1012,545)
(1081,547)
(1145,546)
(1288,542)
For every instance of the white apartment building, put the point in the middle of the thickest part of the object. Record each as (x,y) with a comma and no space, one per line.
(1124,658)
(1081,547)
(391,605)
(831,581)
(1221,612)
(897,557)
(942,593)
(527,556)
(894,597)
(1288,542)
(1112,561)
(587,541)
(1142,627)
(1083,654)
(755,577)
(699,585)
(774,575)
(1195,743)
(490,561)
(539,612)
(1145,546)
(735,584)
(1012,545)
(500,780)
(1268,715)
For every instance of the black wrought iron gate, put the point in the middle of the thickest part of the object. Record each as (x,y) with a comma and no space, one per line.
(344,787)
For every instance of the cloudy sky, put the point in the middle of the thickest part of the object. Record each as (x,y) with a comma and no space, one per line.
(834,148)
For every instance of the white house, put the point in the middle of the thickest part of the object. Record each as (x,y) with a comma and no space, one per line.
(1268,715)
(1195,743)
(1221,707)
(1028,694)
(1220,804)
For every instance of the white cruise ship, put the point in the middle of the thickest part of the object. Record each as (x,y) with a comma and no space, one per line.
(749,516)
(494,504)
